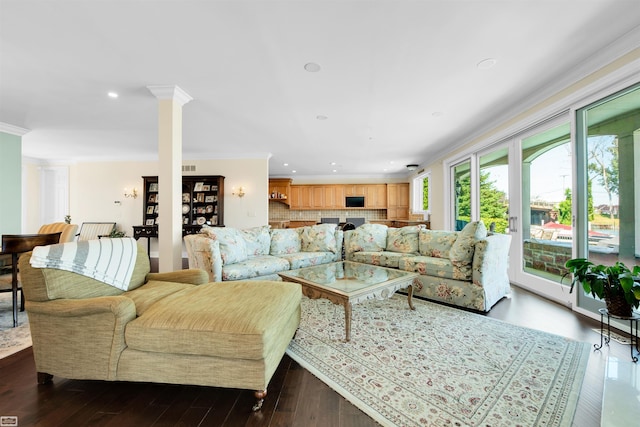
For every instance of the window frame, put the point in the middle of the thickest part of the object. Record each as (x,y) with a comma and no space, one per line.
(417,201)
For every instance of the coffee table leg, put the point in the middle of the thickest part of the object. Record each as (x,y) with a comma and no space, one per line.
(347,321)
(410,296)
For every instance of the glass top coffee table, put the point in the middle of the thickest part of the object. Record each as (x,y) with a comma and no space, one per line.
(347,283)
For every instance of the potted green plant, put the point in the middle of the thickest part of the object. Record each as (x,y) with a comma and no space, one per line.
(616,284)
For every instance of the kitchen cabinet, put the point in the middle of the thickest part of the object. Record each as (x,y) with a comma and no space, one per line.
(355,190)
(398,201)
(334,196)
(301,197)
(280,190)
(376,196)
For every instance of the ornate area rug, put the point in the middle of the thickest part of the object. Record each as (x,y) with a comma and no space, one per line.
(12,339)
(440,366)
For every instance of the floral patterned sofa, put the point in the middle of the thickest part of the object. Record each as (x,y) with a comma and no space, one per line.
(465,268)
(259,253)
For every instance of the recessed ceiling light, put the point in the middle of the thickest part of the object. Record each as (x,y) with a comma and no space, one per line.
(312,67)
(321,117)
(285,164)
(112,95)
(293,171)
(333,163)
(485,64)
(335,170)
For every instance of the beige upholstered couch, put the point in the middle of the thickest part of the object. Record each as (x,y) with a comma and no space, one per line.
(168,328)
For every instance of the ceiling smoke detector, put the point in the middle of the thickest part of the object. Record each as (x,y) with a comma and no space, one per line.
(412,167)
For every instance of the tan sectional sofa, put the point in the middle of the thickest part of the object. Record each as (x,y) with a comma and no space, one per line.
(167,328)
(259,253)
(466,268)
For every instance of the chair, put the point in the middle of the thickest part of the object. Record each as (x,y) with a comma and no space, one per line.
(357,222)
(16,244)
(348,226)
(68,231)
(95,230)
(329,220)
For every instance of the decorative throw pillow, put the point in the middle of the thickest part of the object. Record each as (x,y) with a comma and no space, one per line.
(462,250)
(403,240)
(233,248)
(319,238)
(285,241)
(436,243)
(368,238)
(257,240)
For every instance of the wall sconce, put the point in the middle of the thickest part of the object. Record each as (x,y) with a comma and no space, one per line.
(240,192)
(133,193)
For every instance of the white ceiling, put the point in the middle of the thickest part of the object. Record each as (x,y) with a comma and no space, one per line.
(399,81)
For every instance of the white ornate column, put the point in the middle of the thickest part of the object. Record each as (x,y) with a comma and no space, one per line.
(170,101)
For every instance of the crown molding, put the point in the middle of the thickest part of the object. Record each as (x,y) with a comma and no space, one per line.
(171,92)
(590,66)
(13,130)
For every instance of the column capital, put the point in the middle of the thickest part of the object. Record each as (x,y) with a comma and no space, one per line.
(172,92)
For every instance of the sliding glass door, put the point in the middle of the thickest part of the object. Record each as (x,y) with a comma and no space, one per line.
(522,187)
(608,197)
(543,230)
(559,195)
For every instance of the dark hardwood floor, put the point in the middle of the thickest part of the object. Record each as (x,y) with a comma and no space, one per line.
(296,398)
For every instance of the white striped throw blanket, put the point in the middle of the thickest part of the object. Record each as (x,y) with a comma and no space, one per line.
(108,260)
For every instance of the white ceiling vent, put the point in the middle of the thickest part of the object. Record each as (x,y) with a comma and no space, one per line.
(188,168)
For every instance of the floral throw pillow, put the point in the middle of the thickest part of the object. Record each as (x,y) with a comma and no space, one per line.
(436,243)
(233,248)
(369,238)
(462,250)
(319,238)
(403,240)
(257,240)
(285,241)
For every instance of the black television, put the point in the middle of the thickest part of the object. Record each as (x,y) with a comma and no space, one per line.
(354,201)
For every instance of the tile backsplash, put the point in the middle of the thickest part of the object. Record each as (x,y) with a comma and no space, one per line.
(280,212)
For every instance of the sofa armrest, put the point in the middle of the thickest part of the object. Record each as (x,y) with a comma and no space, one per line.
(194,276)
(80,338)
(204,254)
(348,247)
(339,243)
(491,261)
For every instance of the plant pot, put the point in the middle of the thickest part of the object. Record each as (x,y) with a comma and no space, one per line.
(617,305)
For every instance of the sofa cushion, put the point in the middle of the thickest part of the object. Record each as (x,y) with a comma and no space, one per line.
(436,243)
(383,258)
(285,241)
(307,259)
(232,245)
(257,240)
(254,267)
(224,319)
(319,238)
(368,238)
(461,252)
(438,267)
(152,292)
(404,240)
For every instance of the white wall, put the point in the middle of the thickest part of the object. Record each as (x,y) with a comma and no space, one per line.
(97,190)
